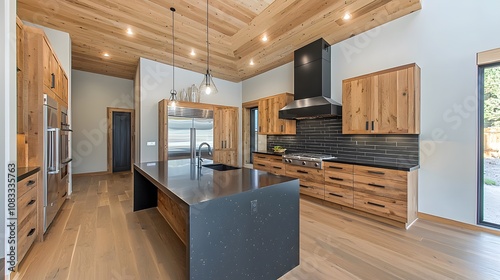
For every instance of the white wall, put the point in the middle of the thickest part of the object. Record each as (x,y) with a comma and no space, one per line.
(156,83)
(7,109)
(275,81)
(443,41)
(92,94)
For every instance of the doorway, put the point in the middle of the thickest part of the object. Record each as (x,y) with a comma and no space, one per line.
(120,140)
(489,145)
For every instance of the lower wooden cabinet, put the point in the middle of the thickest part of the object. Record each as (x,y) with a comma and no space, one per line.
(339,183)
(311,180)
(27,214)
(228,157)
(269,163)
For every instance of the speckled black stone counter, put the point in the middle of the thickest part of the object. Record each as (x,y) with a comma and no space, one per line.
(242,224)
(192,185)
(25,172)
(395,166)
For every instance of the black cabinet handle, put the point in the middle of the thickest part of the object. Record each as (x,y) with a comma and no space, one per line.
(260,164)
(337,179)
(282,128)
(305,187)
(335,167)
(303,172)
(18,70)
(276,167)
(53,83)
(373,126)
(376,204)
(366,125)
(31,202)
(377,186)
(260,128)
(31,232)
(334,194)
(30,182)
(376,172)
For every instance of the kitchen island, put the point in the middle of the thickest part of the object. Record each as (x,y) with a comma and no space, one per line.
(236,224)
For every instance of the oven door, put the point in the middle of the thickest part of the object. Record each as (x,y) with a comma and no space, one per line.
(65,157)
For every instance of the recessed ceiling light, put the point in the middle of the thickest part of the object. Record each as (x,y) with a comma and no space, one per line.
(192,53)
(264,38)
(129,31)
(106,54)
(251,62)
(347,16)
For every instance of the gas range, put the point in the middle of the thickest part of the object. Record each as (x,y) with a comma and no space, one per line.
(306,159)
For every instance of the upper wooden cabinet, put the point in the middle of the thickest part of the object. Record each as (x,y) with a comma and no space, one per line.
(226,135)
(385,102)
(54,78)
(269,121)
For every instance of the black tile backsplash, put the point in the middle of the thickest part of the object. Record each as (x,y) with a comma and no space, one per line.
(325,136)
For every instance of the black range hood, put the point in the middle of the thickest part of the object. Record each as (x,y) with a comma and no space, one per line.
(312,84)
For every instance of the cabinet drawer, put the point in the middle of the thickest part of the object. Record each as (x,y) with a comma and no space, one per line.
(338,167)
(305,173)
(26,234)
(276,168)
(313,189)
(387,207)
(26,204)
(382,173)
(333,177)
(381,187)
(339,194)
(27,184)
(260,165)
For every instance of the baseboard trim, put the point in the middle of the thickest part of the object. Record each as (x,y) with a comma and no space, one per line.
(445,221)
(91,174)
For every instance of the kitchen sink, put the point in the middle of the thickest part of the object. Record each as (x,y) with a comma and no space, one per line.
(220,167)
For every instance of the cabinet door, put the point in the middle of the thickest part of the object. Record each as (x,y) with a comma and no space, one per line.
(356,105)
(391,108)
(264,105)
(47,71)
(230,127)
(64,89)
(225,156)
(218,127)
(284,126)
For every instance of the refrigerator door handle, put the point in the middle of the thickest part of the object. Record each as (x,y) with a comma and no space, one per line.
(53,150)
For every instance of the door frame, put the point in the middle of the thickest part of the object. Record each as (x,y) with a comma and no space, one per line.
(246,107)
(111,110)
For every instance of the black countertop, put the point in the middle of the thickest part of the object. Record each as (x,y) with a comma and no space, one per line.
(193,185)
(25,172)
(387,165)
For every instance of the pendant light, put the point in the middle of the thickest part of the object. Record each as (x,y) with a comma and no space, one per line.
(207,86)
(173,92)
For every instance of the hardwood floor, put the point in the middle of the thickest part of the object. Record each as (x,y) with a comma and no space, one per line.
(97,236)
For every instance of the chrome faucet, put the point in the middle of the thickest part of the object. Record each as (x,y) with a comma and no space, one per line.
(200,160)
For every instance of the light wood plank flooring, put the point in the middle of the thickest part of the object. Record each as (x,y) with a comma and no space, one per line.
(97,236)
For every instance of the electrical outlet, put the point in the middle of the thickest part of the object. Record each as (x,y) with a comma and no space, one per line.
(151,143)
(253,206)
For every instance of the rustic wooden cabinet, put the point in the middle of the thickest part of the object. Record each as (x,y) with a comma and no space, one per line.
(226,135)
(311,180)
(339,183)
(269,163)
(387,193)
(269,121)
(55,80)
(385,102)
(27,214)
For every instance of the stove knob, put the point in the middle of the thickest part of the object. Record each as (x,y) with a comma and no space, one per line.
(316,164)
(303,163)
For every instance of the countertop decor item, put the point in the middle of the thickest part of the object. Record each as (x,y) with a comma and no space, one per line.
(278,149)
(207,86)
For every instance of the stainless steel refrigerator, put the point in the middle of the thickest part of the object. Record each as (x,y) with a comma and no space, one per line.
(51,160)
(187,129)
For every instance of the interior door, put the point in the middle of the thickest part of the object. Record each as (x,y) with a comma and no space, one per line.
(122,141)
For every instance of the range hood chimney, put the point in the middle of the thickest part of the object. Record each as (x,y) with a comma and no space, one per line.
(312,84)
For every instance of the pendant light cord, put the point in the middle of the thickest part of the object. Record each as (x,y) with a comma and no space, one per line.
(208,45)
(173,48)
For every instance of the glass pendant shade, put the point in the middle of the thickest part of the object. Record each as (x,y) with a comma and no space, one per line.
(207,86)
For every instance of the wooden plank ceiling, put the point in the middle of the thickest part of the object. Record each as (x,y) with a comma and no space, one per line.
(236,29)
